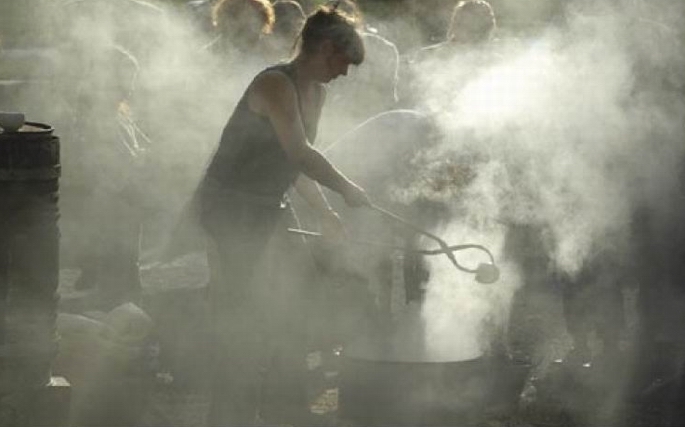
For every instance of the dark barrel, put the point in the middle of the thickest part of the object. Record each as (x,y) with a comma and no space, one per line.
(29,255)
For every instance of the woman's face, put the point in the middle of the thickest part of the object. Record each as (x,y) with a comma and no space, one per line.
(337,65)
(328,62)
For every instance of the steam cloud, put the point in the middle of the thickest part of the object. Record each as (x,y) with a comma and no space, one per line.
(573,130)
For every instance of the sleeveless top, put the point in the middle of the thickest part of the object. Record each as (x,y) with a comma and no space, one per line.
(250,160)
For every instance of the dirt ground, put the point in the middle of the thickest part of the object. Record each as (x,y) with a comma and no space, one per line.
(555,391)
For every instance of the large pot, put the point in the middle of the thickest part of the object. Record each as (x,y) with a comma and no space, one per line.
(385,388)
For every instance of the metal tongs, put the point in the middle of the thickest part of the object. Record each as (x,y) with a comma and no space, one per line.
(485,272)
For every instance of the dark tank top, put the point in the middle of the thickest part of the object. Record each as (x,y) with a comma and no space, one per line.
(250,159)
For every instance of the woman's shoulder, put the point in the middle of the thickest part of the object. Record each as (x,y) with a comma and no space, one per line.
(269,87)
(279,74)
(273,77)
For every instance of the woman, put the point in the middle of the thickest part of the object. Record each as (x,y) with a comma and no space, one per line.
(263,149)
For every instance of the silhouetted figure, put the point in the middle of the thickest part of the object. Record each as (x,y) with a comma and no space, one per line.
(241,27)
(200,13)
(264,148)
(114,153)
(289,20)
(373,89)
(467,43)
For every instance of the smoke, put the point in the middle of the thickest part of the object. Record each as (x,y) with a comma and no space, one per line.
(570,131)
(133,73)
(461,317)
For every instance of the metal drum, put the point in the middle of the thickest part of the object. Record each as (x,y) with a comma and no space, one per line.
(29,255)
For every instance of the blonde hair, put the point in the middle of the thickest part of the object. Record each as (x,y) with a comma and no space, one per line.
(228,10)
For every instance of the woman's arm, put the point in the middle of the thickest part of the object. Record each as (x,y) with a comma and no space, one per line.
(272,94)
(330,222)
(311,193)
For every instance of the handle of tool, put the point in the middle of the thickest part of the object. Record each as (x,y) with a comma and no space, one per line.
(308,233)
(406,223)
(440,251)
(452,248)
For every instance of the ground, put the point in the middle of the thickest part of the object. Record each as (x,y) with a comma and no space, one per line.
(554,393)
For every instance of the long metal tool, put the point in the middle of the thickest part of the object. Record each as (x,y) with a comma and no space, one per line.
(451,248)
(485,273)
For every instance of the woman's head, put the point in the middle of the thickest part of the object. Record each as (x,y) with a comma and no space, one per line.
(328,26)
(473,21)
(243,22)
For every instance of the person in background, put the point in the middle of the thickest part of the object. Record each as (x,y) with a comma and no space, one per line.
(112,157)
(374,87)
(265,149)
(241,27)
(473,23)
(106,180)
(289,20)
(468,39)
(200,15)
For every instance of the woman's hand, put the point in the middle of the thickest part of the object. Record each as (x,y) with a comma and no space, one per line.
(355,196)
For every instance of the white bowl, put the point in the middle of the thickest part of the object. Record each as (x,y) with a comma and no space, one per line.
(11,122)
